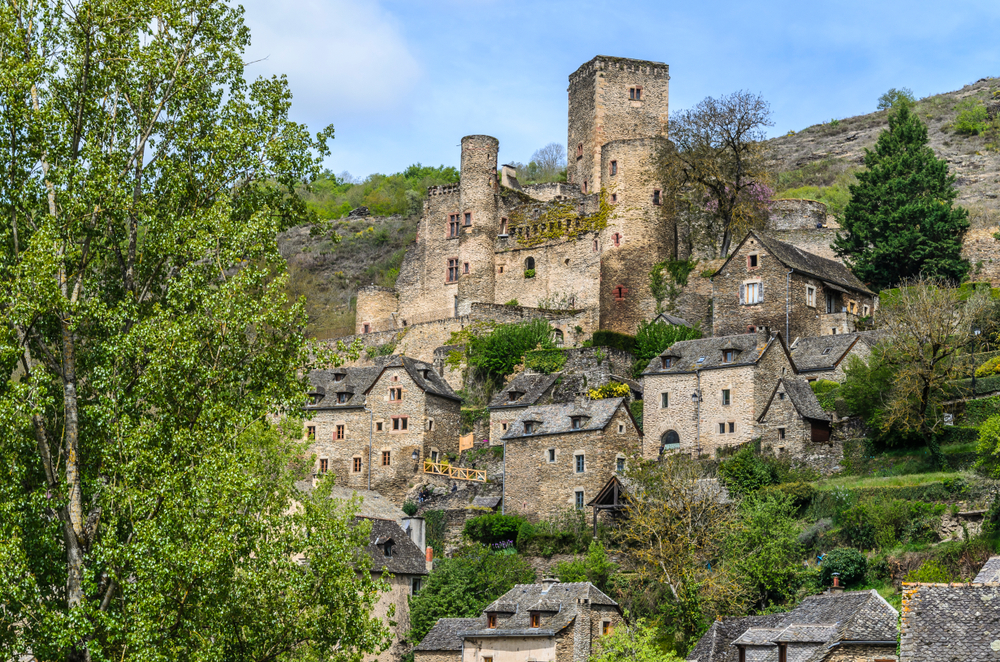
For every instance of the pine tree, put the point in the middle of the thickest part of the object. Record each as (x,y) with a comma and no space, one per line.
(900,222)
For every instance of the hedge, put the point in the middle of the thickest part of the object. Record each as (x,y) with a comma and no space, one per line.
(830,503)
(977,411)
(613,339)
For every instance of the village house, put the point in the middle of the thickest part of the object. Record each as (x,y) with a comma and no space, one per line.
(836,626)
(703,395)
(373,427)
(768,283)
(547,622)
(525,390)
(952,622)
(559,456)
(793,423)
(826,357)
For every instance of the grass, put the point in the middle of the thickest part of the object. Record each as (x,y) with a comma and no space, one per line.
(908,480)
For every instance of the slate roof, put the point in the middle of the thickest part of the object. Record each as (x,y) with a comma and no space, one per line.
(486,501)
(557,418)
(444,636)
(822,352)
(564,597)
(671,319)
(406,559)
(356,382)
(716,644)
(685,354)
(950,623)
(990,572)
(533,386)
(806,634)
(805,263)
(801,395)
(758,636)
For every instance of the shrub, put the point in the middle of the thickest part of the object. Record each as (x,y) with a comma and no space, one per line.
(990,368)
(609,390)
(493,528)
(858,526)
(813,536)
(529,273)
(826,392)
(931,572)
(385,349)
(988,447)
(512,302)
(437,526)
(652,339)
(894,97)
(545,361)
(745,473)
(849,563)
(801,492)
(972,117)
(636,408)
(621,341)
(497,352)
(409,508)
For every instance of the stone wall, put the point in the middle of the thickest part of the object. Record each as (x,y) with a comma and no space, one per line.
(983,253)
(539,489)
(437,656)
(478,198)
(376,309)
(796,214)
(397,597)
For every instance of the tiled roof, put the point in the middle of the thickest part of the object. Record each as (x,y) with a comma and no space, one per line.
(356,382)
(372,505)
(406,559)
(565,597)
(806,634)
(716,644)
(808,263)
(444,635)
(672,320)
(822,352)
(990,572)
(802,396)
(950,623)
(532,386)
(486,501)
(557,418)
(758,636)
(704,353)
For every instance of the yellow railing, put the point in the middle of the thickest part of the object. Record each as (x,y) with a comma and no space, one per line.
(458,473)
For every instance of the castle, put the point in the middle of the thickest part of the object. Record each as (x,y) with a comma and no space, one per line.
(586,245)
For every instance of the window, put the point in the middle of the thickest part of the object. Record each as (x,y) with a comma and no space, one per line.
(728,355)
(579,151)
(366,328)
(488,658)
(452,270)
(311,432)
(620,464)
(722,428)
(415,585)
(324,465)
(465,267)
(621,428)
(468,218)
(617,239)
(732,427)
(725,397)
(574,423)
(664,400)
(386,458)
(579,500)
(395,394)
(399,423)
(339,434)
(501,268)
(810,296)
(866,309)
(827,350)
(503,226)
(529,427)
(430,425)
(605,628)
(453,225)
(585,186)
(666,361)
(751,328)
(536,619)
(491,622)
(357,465)
(754,293)
(342,398)
(387,549)
(552,455)
(656,197)
(503,426)
(619,292)
(514,396)
(339,377)
(614,198)
(614,168)
(701,359)
(781,433)
(751,261)
(669,440)
(595,245)
(378,426)
(581,463)
(558,336)
(529,264)
(635,94)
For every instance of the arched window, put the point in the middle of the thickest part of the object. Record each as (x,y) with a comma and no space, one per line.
(585,186)
(503,226)
(579,151)
(669,440)
(529,263)
(558,336)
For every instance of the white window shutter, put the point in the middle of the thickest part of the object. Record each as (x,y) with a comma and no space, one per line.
(760,292)
(743,293)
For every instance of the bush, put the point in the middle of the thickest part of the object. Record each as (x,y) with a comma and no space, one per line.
(437,527)
(621,341)
(594,568)
(850,563)
(529,273)
(764,549)
(827,392)
(512,302)
(814,535)
(497,352)
(409,508)
(978,412)
(990,368)
(493,528)
(385,349)
(652,339)
(988,447)
(745,473)
(972,117)
(801,493)
(636,408)
(567,533)
(931,572)
(884,523)
(609,390)
(545,361)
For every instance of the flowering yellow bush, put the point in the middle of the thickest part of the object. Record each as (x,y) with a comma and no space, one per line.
(609,390)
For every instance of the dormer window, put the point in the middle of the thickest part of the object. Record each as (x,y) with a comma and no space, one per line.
(491,620)
(728,355)
(514,396)
(577,422)
(666,361)
(338,377)
(342,398)
(387,549)
(315,397)
(531,427)
(536,619)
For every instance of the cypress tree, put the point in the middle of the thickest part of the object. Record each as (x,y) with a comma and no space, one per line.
(900,222)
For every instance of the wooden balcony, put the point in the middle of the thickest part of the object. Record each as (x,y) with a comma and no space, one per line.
(457,473)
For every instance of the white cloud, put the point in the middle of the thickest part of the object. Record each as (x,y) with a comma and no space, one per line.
(341,56)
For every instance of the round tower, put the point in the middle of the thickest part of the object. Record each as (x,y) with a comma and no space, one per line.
(637,236)
(478,222)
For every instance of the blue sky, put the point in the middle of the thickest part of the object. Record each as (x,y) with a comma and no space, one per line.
(403,80)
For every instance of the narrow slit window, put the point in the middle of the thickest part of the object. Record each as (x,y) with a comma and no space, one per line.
(656,197)
(614,168)
(664,400)
(725,397)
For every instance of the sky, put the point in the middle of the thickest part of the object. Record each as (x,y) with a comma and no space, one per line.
(402,81)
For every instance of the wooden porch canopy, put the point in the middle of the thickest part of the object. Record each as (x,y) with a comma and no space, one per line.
(612,497)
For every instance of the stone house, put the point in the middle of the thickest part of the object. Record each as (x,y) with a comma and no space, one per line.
(858,626)
(716,644)
(373,427)
(706,394)
(547,622)
(793,423)
(826,357)
(768,283)
(952,622)
(559,456)
(525,390)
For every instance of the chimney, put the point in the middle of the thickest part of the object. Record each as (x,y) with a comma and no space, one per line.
(763,335)
(548,583)
(416,529)
(429,559)
(507,174)
(836,588)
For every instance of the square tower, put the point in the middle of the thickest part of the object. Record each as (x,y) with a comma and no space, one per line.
(612,98)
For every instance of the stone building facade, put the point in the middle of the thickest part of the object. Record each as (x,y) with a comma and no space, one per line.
(367,423)
(794,424)
(586,245)
(558,457)
(703,395)
(771,284)
(826,357)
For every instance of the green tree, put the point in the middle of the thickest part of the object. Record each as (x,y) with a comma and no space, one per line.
(900,222)
(146,511)
(632,642)
(989,446)
(894,97)
(595,568)
(763,548)
(652,338)
(464,585)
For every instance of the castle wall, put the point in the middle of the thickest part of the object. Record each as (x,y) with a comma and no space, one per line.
(376,309)
(478,197)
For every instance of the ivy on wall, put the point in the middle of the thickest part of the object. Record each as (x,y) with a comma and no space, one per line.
(560,220)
